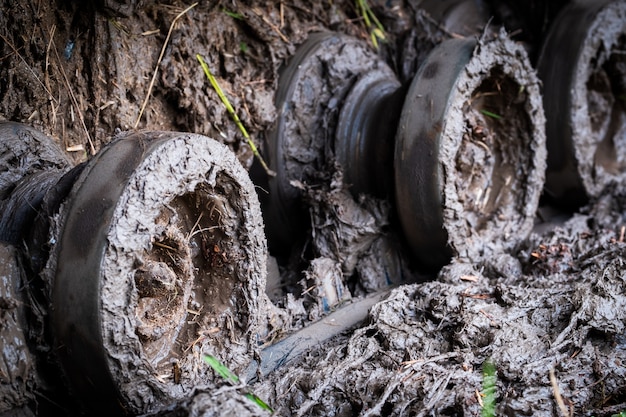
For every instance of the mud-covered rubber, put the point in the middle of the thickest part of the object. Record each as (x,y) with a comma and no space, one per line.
(365,133)
(583,69)
(470,151)
(161,259)
(462,17)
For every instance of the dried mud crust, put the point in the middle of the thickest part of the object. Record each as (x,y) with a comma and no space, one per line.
(342,243)
(470,151)
(322,81)
(25,151)
(584,106)
(30,164)
(301,146)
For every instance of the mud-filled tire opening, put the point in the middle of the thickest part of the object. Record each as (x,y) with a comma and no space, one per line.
(493,171)
(606,98)
(188,277)
(493,151)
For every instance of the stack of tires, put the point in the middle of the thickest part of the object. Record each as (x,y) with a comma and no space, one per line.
(128,268)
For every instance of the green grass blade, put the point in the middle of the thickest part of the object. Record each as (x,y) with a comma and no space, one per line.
(222,96)
(221,370)
(491,114)
(489,390)
(259,402)
(372,15)
(228,375)
(234,15)
(376,33)
(364,12)
(232,113)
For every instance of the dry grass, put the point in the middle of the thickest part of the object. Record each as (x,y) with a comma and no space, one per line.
(156,68)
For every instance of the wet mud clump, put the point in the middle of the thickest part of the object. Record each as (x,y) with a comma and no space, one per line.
(18,363)
(424,346)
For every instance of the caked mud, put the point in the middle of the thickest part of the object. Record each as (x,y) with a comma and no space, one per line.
(553,305)
(547,308)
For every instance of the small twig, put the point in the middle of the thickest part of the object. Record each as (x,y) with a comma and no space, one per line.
(561,341)
(150,32)
(270,24)
(119,26)
(557,395)
(492,320)
(191,232)
(376,410)
(47,62)
(51,98)
(437,391)
(479,398)
(470,278)
(164,246)
(439,26)
(437,358)
(156,68)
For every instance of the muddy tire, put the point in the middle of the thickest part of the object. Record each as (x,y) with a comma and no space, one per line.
(583,69)
(301,145)
(30,164)
(161,260)
(470,151)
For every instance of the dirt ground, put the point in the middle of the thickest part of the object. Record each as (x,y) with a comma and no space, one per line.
(549,312)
